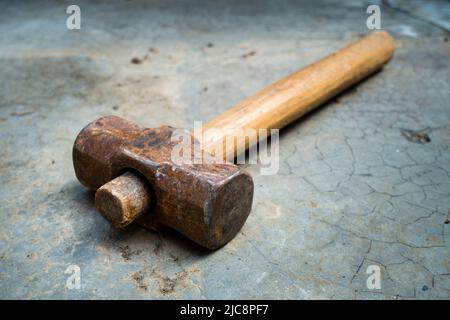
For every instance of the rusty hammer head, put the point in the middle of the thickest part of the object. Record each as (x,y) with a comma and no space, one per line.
(208,202)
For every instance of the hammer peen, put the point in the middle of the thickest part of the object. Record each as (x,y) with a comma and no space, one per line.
(135,179)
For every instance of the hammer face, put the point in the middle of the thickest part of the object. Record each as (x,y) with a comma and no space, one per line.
(207,202)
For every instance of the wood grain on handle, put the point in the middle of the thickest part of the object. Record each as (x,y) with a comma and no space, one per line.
(291,97)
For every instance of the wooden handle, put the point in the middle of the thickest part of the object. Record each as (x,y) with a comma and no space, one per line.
(291,97)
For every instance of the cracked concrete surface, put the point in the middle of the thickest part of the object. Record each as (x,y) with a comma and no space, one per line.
(352,190)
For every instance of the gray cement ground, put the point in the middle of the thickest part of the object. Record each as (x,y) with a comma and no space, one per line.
(352,190)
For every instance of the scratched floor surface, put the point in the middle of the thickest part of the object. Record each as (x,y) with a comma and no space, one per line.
(363,181)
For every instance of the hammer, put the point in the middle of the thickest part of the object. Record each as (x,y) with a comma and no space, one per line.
(134,176)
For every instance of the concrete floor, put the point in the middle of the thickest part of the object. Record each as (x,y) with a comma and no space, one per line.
(352,190)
